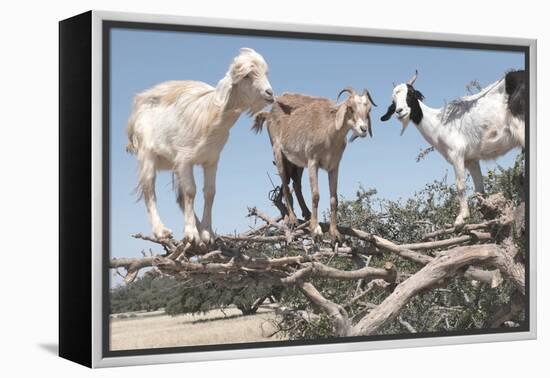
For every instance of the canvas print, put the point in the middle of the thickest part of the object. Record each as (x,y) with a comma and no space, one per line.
(275,190)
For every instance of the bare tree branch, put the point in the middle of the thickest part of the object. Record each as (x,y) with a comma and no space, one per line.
(444,266)
(483,252)
(337,313)
(132,266)
(407,325)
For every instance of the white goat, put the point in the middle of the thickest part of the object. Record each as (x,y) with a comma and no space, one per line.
(178,124)
(311,132)
(473,128)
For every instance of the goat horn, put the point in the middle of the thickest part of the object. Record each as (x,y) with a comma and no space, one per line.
(394,85)
(347,89)
(366,92)
(413,79)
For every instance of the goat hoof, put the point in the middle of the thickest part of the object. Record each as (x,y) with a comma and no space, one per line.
(316,231)
(191,235)
(163,233)
(335,236)
(292,222)
(207,237)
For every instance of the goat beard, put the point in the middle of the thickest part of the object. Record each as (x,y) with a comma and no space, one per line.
(354,136)
(405,123)
(257,106)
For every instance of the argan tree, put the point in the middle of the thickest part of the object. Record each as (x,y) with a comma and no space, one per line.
(401,268)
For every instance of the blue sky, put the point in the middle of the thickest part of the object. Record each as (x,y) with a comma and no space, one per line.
(141,59)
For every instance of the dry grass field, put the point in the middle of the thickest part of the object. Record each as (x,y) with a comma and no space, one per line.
(157,330)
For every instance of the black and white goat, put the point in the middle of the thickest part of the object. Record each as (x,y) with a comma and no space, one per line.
(482,126)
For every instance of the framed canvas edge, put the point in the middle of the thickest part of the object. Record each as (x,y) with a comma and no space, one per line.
(98,360)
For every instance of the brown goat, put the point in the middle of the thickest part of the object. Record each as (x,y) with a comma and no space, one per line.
(311,132)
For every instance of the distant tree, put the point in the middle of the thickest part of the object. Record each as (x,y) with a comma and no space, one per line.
(149,293)
(205,296)
(146,293)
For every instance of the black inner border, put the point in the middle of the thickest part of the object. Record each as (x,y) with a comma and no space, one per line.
(108,25)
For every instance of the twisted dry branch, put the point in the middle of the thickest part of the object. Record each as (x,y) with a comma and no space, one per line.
(477,251)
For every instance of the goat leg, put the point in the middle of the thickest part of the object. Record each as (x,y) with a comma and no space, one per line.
(464,213)
(147,177)
(285,180)
(209,190)
(297,186)
(333,186)
(186,182)
(313,169)
(475,171)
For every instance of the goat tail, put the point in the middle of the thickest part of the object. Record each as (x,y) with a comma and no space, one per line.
(259,120)
(133,140)
(131,147)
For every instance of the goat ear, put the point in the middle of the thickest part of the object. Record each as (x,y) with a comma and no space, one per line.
(286,107)
(240,73)
(341,115)
(389,112)
(239,69)
(418,95)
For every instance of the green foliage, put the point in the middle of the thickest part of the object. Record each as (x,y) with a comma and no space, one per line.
(151,294)
(461,305)
(509,181)
(144,294)
(199,298)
